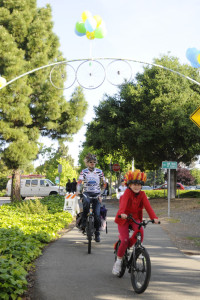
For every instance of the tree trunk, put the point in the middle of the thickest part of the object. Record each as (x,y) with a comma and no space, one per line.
(172,183)
(15,186)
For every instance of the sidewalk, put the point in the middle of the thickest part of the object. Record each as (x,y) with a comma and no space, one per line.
(65,270)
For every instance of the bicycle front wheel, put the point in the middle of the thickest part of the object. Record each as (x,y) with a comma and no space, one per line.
(140,270)
(90,230)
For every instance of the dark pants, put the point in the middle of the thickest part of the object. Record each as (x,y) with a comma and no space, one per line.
(96,209)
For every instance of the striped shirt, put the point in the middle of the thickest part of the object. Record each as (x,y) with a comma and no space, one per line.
(91,180)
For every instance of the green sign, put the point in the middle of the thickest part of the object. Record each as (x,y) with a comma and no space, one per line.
(169,165)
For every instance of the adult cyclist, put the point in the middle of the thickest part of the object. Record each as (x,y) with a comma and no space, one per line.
(91,178)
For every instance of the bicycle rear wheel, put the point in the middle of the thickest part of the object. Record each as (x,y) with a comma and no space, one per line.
(140,270)
(124,260)
(90,231)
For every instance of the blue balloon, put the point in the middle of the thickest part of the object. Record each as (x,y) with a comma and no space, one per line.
(191,53)
(195,65)
(90,24)
(78,33)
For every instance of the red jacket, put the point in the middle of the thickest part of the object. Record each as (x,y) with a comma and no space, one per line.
(132,203)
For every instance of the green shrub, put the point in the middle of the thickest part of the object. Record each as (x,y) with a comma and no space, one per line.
(33,207)
(2,193)
(154,194)
(189,194)
(25,228)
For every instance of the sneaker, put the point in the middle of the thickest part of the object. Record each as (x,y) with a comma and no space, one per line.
(97,238)
(117,267)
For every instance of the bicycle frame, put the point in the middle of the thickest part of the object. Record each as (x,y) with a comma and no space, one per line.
(90,230)
(138,262)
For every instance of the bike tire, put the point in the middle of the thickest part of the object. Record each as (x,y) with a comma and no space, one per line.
(140,270)
(124,261)
(90,230)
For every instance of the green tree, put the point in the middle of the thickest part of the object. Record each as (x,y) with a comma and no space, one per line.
(53,159)
(149,118)
(31,106)
(155,177)
(196,174)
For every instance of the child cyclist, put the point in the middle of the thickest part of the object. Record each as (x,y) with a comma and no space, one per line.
(132,203)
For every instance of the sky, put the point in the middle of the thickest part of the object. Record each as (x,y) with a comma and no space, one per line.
(136,29)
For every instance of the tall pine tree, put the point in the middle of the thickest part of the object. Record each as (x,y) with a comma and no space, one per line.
(31,106)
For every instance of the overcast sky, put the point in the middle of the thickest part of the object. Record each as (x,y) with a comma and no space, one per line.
(136,29)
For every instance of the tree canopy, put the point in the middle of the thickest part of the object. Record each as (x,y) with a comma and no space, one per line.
(50,166)
(149,118)
(31,106)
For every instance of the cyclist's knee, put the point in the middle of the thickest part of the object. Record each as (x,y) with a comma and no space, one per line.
(124,241)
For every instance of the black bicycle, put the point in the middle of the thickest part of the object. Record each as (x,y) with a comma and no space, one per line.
(138,261)
(89,229)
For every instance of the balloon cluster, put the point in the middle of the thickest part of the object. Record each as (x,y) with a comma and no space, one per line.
(193,55)
(91,26)
(2,81)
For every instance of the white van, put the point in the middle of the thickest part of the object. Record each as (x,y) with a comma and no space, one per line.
(36,187)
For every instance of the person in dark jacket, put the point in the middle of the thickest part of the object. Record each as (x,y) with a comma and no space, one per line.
(69,186)
(74,183)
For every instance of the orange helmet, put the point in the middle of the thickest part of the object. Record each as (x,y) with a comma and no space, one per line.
(135,177)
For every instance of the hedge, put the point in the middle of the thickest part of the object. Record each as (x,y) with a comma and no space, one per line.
(25,228)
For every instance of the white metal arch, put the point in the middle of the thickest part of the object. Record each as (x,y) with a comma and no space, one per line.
(98,59)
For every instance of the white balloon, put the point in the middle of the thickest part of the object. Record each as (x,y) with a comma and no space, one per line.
(2,81)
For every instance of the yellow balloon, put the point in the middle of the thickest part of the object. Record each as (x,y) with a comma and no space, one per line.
(90,35)
(2,81)
(198,58)
(98,19)
(85,15)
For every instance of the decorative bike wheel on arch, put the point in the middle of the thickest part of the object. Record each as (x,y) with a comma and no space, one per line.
(62,76)
(90,74)
(118,72)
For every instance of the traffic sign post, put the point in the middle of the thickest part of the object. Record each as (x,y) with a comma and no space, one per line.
(59,171)
(195,117)
(116,167)
(169,165)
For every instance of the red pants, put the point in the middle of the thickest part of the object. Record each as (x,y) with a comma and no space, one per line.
(124,237)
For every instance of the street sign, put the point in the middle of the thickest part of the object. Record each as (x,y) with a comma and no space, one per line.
(195,117)
(59,168)
(116,167)
(169,165)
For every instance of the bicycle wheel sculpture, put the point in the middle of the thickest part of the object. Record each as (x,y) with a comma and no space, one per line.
(90,74)
(62,76)
(118,72)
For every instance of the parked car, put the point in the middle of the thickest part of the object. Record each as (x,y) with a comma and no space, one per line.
(36,187)
(190,187)
(198,187)
(164,186)
(147,187)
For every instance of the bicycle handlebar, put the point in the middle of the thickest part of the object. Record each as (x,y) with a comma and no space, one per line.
(143,223)
(94,197)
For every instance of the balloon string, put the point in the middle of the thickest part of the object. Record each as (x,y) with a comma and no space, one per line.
(91,48)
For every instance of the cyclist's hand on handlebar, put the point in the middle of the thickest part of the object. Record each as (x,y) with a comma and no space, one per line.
(123,216)
(156,221)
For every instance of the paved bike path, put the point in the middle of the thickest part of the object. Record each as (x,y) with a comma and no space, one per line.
(65,270)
